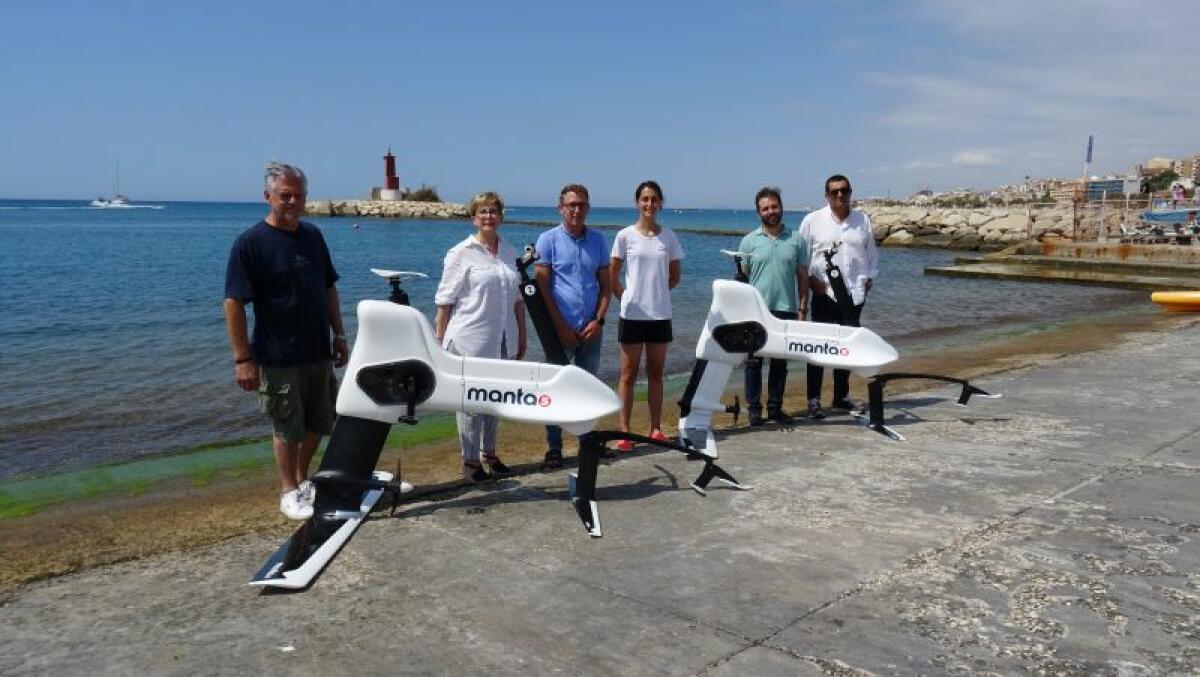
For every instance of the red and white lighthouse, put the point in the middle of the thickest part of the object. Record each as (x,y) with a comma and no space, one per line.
(389,162)
(391,189)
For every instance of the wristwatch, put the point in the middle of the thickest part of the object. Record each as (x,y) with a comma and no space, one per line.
(598,320)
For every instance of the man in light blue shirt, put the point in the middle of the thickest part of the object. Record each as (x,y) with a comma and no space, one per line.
(778,269)
(572,275)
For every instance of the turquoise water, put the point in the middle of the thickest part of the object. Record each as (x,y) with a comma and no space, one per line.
(113,346)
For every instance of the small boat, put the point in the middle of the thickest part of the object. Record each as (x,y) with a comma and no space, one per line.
(1168,213)
(1178,301)
(118,200)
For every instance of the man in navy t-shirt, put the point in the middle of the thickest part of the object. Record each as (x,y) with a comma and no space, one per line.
(282,267)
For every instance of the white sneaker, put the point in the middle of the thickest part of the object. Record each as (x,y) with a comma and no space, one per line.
(308,492)
(292,506)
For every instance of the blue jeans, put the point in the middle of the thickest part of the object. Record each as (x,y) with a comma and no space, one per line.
(776,378)
(586,356)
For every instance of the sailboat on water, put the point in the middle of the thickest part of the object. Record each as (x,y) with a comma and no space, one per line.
(117,200)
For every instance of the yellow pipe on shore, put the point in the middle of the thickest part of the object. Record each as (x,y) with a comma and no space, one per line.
(1177,301)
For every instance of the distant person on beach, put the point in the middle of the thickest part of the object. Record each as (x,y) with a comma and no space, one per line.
(849,230)
(282,266)
(778,269)
(573,277)
(651,253)
(480,313)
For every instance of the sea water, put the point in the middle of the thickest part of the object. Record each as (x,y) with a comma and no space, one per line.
(113,344)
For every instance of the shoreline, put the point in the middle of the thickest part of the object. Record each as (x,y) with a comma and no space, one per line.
(210,505)
(25,494)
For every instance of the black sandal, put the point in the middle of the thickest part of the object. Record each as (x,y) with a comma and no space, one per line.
(553,460)
(475,473)
(497,467)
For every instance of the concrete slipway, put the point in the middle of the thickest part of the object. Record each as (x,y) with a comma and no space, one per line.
(1057,529)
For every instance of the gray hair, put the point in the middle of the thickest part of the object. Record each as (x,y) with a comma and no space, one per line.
(275,170)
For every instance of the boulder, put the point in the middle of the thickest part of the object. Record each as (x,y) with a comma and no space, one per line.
(966,239)
(877,214)
(977,219)
(1015,222)
(952,218)
(899,237)
(914,215)
(935,240)
(1050,215)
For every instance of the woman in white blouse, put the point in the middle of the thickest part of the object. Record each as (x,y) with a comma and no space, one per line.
(651,255)
(480,314)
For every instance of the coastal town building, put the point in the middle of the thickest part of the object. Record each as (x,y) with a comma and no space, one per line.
(1112,187)
(1064,191)
(1187,169)
(1037,189)
(1155,165)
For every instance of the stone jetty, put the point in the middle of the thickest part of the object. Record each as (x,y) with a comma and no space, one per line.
(989,227)
(1145,267)
(387,209)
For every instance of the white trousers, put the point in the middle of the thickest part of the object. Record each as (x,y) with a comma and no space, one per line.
(476,432)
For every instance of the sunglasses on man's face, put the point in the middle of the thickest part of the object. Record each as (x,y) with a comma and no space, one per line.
(840,191)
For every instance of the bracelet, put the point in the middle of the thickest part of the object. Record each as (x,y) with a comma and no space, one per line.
(244,360)
(339,337)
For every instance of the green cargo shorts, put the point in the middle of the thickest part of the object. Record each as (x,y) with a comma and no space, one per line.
(299,399)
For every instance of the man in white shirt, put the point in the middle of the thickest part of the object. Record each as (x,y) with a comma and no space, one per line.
(846,232)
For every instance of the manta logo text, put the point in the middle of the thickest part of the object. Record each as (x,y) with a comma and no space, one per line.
(518,396)
(817,348)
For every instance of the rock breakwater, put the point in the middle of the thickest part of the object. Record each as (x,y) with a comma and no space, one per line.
(965,228)
(390,209)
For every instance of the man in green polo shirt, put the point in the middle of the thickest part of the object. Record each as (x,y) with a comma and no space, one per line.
(778,269)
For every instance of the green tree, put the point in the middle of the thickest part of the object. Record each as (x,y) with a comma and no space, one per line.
(423,194)
(1163,180)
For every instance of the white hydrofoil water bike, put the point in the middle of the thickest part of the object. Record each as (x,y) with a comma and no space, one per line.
(398,370)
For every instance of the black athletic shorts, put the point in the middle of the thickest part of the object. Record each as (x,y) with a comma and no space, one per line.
(644,331)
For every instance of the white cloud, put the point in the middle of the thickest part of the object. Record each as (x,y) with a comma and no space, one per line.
(975,158)
(919,163)
(1032,80)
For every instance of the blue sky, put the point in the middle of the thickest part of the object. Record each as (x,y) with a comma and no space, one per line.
(713,99)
